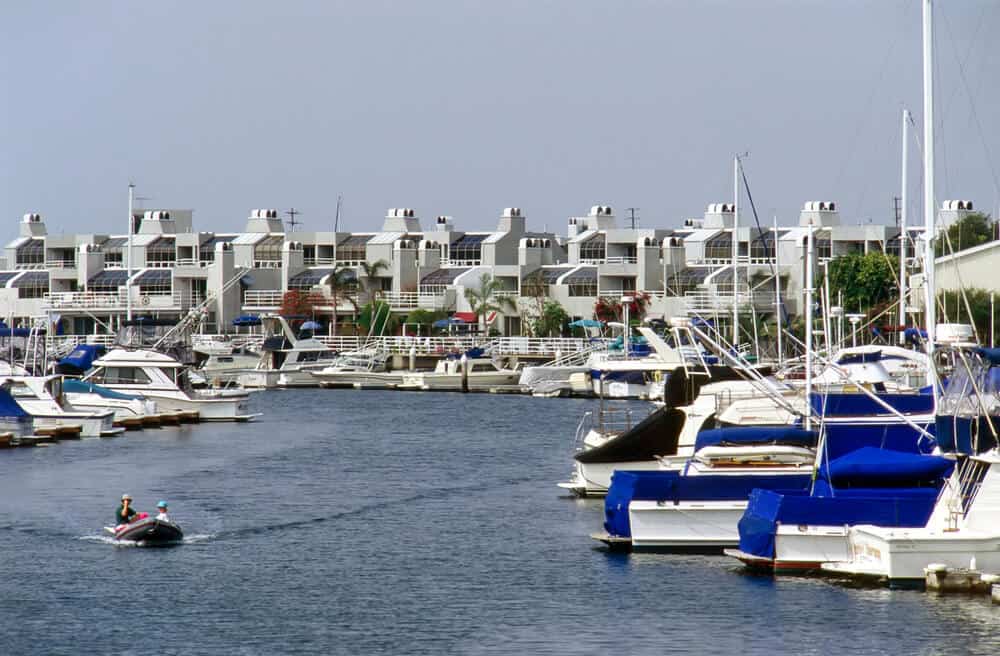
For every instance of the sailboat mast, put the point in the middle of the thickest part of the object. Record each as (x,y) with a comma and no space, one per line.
(809,323)
(736,251)
(128,255)
(902,230)
(929,205)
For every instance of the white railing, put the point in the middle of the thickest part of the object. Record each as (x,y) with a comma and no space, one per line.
(118,301)
(160,264)
(60,264)
(192,262)
(413,300)
(319,261)
(622,259)
(743,259)
(29,265)
(506,293)
(267,264)
(448,262)
(705,302)
(350,263)
(263,298)
(591,260)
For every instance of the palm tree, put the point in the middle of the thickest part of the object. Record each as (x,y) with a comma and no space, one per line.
(341,287)
(371,271)
(485,300)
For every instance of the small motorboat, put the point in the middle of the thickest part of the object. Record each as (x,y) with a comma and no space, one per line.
(147,530)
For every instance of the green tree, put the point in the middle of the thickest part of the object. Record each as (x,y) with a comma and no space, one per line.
(379,313)
(972,230)
(865,280)
(485,299)
(953,309)
(370,272)
(551,321)
(342,285)
(425,319)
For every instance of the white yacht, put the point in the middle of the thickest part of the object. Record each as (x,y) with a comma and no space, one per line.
(286,357)
(363,368)
(481,373)
(43,398)
(163,379)
(131,411)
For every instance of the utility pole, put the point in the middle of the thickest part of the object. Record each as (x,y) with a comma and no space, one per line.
(631,215)
(292,213)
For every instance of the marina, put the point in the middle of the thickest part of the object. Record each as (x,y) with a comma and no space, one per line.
(449,427)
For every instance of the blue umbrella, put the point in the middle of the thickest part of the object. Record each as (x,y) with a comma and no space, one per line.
(585,323)
(311,325)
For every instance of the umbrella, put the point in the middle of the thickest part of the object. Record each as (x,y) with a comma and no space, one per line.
(450,321)
(247,320)
(311,325)
(585,323)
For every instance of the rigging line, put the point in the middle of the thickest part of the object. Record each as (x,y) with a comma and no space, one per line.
(972,108)
(968,53)
(852,144)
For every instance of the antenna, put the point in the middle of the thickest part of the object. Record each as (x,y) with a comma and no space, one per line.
(336,218)
(292,213)
(631,215)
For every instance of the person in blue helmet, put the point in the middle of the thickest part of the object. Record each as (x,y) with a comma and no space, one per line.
(161,508)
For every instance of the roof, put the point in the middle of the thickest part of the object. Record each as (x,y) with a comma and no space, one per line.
(309,278)
(270,240)
(249,237)
(443,276)
(550,275)
(33,245)
(32,279)
(581,274)
(469,239)
(702,234)
(968,251)
(355,240)
(144,240)
(386,237)
(114,242)
(109,278)
(583,236)
(153,276)
(162,244)
(689,276)
(17,243)
(5,277)
(494,237)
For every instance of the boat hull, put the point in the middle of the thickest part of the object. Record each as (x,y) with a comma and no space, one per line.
(150,531)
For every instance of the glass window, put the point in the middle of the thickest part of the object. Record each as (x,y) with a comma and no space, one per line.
(594,248)
(124,376)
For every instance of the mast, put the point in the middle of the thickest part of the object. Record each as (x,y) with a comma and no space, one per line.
(902,230)
(929,206)
(809,324)
(128,255)
(777,289)
(736,251)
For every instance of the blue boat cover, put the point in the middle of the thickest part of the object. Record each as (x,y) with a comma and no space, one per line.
(844,437)
(9,407)
(83,387)
(903,507)
(873,467)
(82,357)
(859,404)
(860,358)
(247,320)
(756,435)
(673,487)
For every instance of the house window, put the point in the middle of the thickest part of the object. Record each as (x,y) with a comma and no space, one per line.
(719,247)
(594,249)
(162,252)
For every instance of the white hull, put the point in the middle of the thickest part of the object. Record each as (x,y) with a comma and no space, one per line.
(594,479)
(453,382)
(222,406)
(91,425)
(362,378)
(805,548)
(685,525)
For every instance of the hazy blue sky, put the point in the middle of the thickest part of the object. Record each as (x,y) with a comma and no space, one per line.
(464,108)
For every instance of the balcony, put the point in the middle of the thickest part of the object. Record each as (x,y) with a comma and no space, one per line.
(448,262)
(117,301)
(61,264)
(267,264)
(321,261)
(413,300)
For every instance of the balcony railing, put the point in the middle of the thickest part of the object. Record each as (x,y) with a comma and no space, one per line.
(267,264)
(192,262)
(111,301)
(413,300)
(319,261)
(262,298)
(61,264)
(448,262)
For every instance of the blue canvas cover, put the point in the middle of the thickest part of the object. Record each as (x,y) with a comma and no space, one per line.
(845,437)
(872,467)
(766,509)
(858,404)
(83,387)
(673,487)
(247,320)
(80,358)
(756,435)
(9,408)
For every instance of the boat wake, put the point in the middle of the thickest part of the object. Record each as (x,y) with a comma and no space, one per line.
(107,539)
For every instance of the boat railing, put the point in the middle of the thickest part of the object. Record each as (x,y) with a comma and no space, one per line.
(582,428)
(614,421)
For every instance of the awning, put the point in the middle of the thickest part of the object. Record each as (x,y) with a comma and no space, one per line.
(443,276)
(467,317)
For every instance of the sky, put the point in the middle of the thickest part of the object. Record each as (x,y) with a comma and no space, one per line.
(463,108)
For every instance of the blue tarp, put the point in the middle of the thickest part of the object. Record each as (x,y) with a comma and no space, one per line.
(9,407)
(83,387)
(82,357)
(844,437)
(756,435)
(673,487)
(858,404)
(903,507)
(247,320)
(873,467)
(992,355)
(585,323)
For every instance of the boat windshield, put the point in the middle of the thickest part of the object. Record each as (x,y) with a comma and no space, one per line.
(973,388)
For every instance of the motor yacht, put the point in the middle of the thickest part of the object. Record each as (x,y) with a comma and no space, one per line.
(44,399)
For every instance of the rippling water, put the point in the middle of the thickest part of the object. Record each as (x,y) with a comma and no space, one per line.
(379,522)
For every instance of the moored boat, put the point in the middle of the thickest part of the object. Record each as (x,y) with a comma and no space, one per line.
(148,531)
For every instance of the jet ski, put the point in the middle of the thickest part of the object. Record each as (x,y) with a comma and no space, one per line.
(147,530)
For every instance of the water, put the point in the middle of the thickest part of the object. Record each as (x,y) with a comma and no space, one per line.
(379,522)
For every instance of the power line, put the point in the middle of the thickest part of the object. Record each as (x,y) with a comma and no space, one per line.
(292,213)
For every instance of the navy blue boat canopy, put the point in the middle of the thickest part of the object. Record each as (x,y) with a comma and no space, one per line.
(873,467)
(756,435)
(80,358)
(247,320)
(8,406)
